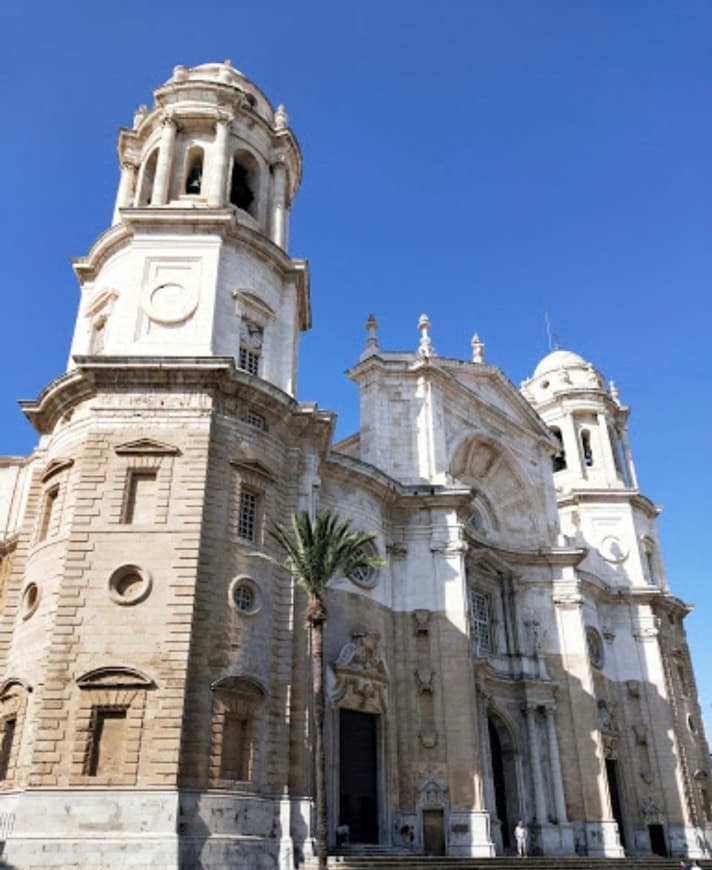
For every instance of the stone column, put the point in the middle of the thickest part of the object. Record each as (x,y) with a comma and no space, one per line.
(219,161)
(629,459)
(604,439)
(127,185)
(535,764)
(571,445)
(279,205)
(164,167)
(555,763)
(487,773)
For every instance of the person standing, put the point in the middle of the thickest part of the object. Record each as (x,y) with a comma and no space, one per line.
(521,835)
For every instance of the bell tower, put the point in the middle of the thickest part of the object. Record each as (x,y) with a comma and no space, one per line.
(195,262)
(594,475)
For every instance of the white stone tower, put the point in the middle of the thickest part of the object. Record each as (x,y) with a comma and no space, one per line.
(195,263)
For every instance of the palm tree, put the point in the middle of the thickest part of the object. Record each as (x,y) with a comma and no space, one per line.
(315,551)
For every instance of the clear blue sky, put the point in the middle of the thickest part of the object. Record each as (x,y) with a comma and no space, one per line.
(483,162)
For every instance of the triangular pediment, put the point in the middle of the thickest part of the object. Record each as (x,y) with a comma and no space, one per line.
(144,446)
(253,466)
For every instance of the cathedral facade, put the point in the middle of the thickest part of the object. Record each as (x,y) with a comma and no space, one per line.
(518,655)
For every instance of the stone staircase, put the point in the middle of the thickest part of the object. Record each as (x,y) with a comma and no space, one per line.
(379,858)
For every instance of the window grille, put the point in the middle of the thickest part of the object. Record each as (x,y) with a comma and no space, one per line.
(243,597)
(247,519)
(481,632)
(249,361)
(255,420)
(251,340)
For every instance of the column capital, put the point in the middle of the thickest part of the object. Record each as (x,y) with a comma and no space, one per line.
(128,165)
(224,116)
(168,119)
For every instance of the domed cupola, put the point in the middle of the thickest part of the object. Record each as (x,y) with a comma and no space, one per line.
(589,421)
(195,263)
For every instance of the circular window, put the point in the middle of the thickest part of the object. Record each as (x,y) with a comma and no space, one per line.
(129,584)
(595,647)
(30,600)
(366,575)
(244,595)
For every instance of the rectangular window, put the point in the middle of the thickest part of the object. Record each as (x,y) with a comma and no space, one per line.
(247,519)
(249,361)
(141,497)
(251,340)
(108,740)
(481,636)
(8,737)
(48,512)
(235,756)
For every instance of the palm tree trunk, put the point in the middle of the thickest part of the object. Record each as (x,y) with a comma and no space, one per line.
(317,633)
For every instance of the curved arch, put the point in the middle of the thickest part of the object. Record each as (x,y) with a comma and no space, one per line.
(240,685)
(12,682)
(498,483)
(148,174)
(114,676)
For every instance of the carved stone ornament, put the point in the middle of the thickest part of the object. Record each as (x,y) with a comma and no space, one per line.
(428,737)
(608,727)
(646,774)
(432,790)
(633,687)
(361,676)
(424,681)
(650,810)
(421,621)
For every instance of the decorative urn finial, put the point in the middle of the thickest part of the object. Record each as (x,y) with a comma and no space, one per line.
(478,349)
(425,348)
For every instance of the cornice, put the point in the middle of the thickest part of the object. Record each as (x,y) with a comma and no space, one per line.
(576,497)
(550,556)
(93,374)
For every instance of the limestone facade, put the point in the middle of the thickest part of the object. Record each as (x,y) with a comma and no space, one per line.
(518,656)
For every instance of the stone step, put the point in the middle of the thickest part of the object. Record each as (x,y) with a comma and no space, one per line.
(420,862)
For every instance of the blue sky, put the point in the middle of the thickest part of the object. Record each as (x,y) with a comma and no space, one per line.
(484,162)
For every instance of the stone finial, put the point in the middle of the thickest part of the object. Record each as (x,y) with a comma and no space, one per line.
(425,348)
(613,392)
(180,73)
(478,349)
(371,327)
(139,115)
(281,118)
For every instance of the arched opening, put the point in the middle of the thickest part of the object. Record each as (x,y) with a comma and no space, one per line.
(559,460)
(148,175)
(244,182)
(504,781)
(586,448)
(194,172)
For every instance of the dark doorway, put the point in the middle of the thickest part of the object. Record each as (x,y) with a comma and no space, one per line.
(500,789)
(433,832)
(358,775)
(657,840)
(614,791)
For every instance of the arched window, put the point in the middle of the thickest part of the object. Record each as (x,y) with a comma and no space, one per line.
(586,447)
(147,178)
(237,704)
(194,172)
(243,184)
(559,460)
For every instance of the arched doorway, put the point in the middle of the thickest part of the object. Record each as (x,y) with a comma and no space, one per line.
(504,781)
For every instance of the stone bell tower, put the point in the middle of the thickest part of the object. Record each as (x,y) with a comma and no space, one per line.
(146,657)
(195,263)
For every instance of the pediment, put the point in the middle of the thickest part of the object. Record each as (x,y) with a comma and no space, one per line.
(240,686)
(12,685)
(54,467)
(253,466)
(146,446)
(497,401)
(115,678)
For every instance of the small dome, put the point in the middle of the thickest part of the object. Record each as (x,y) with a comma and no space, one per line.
(559,359)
